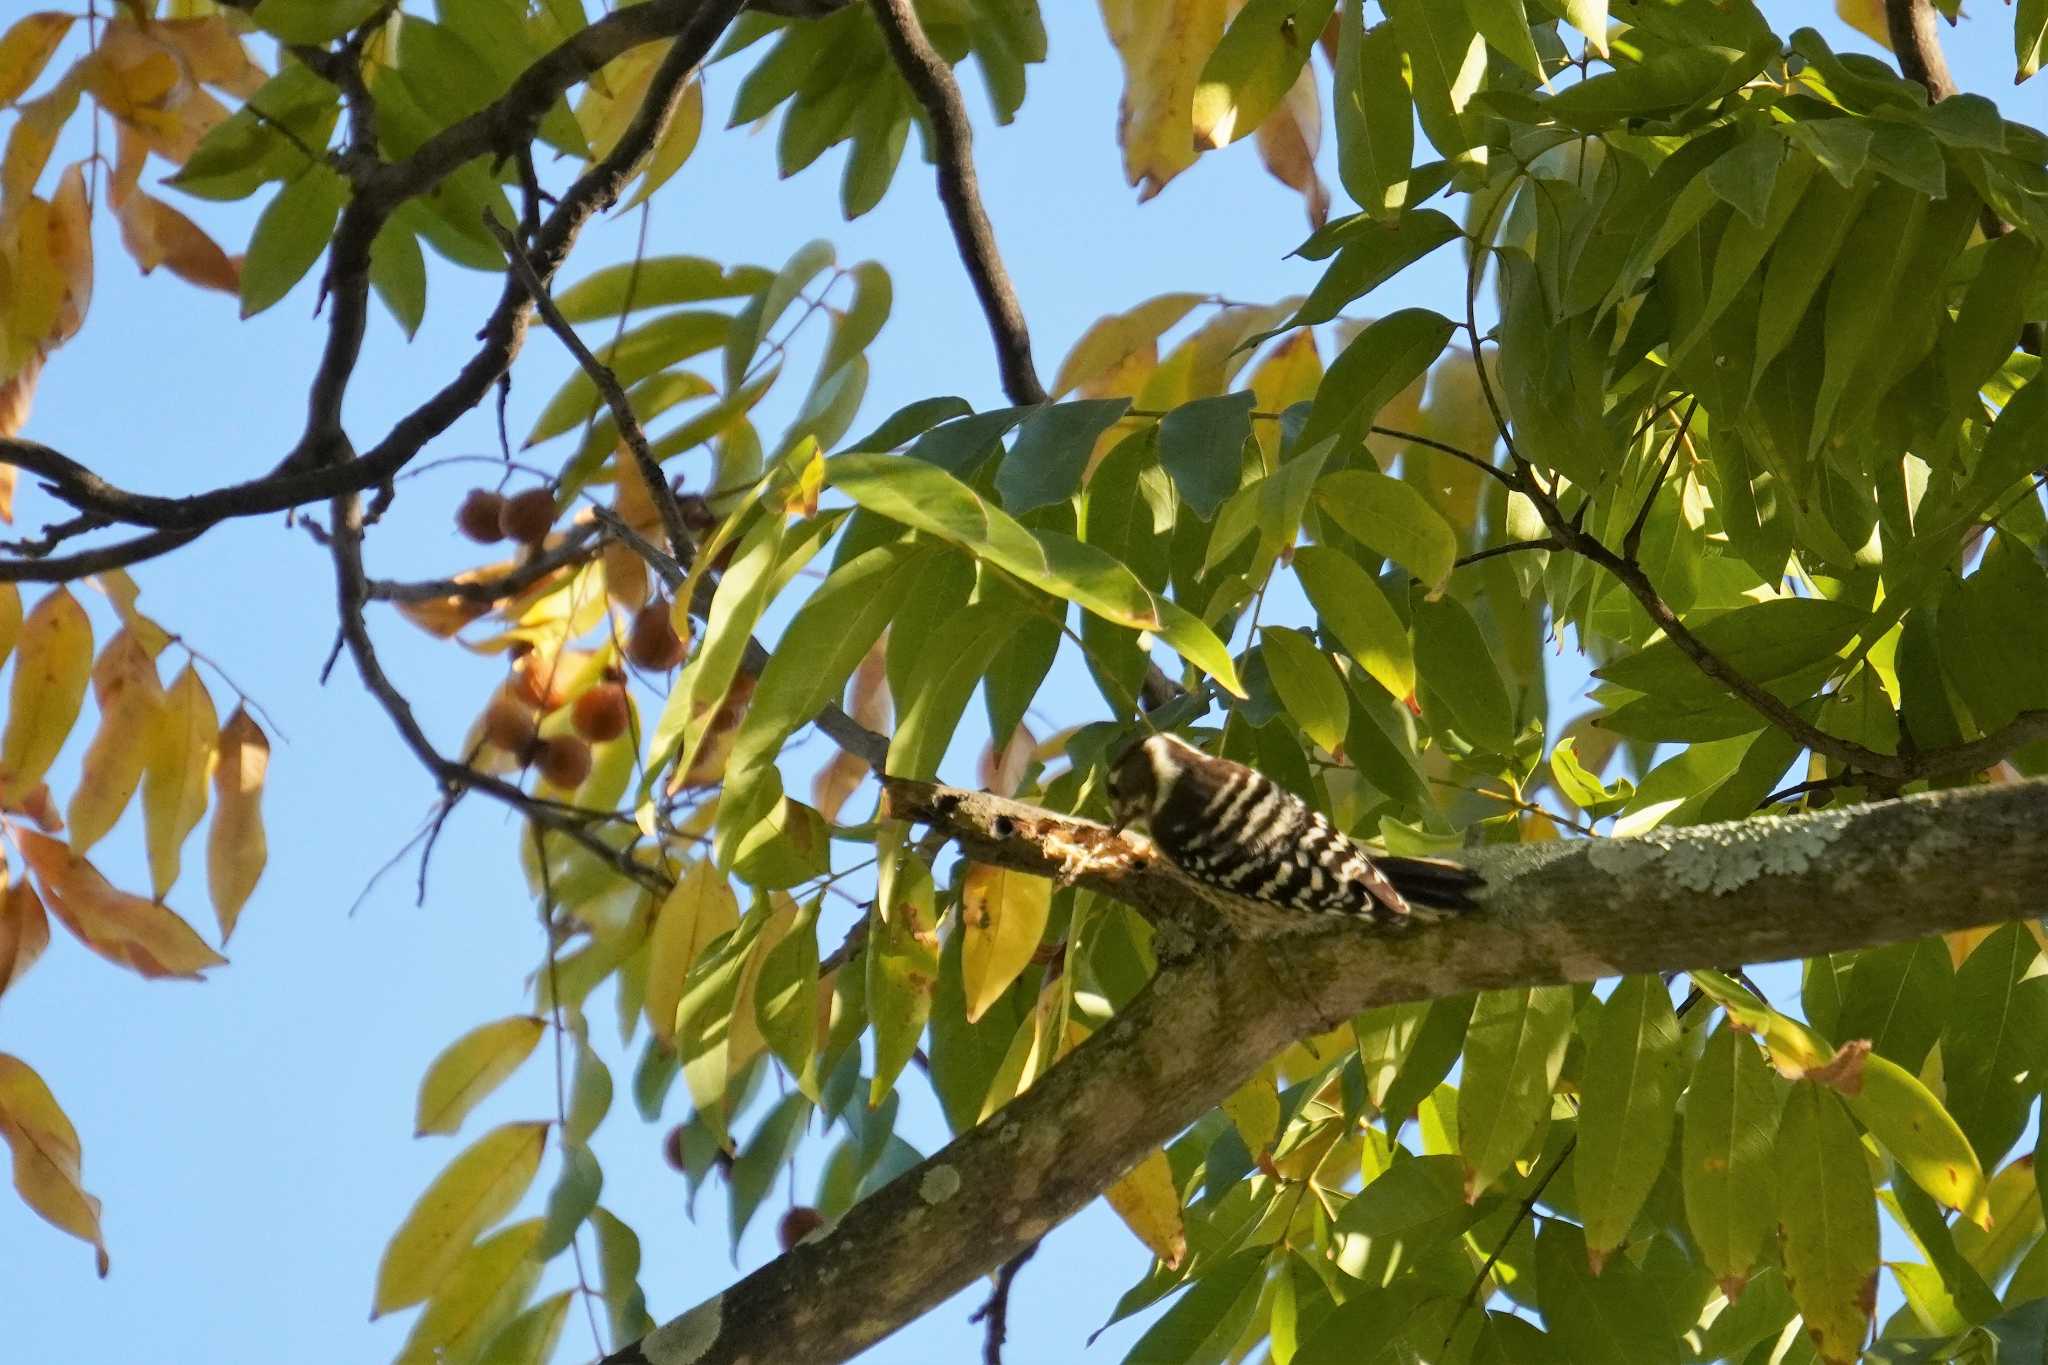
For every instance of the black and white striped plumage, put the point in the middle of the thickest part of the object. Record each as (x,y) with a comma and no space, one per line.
(1227,825)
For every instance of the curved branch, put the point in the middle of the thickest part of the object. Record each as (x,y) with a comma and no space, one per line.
(931,80)
(1756,890)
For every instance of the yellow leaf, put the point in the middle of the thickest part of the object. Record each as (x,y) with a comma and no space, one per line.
(1003,915)
(46,1155)
(678,140)
(33,137)
(49,687)
(71,256)
(472,1067)
(1163,47)
(122,592)
(473,1191)
(1150,1207)
(1867,18)
(131,702)
(699,909)
(174,782)
(1110,343)
(24,929)
(36,289)
(483,1290)
(235,847)
(614,95)
(1255,1111)
(10,619)
(25,49)
(213,52)
(124,929)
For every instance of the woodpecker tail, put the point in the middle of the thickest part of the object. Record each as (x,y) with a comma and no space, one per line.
(1432,881)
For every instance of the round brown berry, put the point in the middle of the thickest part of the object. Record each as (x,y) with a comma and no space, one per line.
(526,517)
(652,643)
(478,516)
(564,761)
(601,713)
(509,723)
(799,1223)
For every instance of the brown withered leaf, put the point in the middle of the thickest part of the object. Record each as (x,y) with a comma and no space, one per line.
(213,52)
(1288,142)
(24,929)
(157,234)
(840,777)
(125,929)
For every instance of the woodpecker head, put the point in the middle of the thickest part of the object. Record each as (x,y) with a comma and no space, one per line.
(1143,773)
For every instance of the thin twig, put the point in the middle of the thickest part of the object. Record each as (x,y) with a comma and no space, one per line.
(1632,540)
(1417,438)
(996,1312)
(1512,547)
(682,544)
(931,80)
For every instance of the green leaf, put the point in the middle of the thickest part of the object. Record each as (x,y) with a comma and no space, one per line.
(1051,452)
(1201,447)
(1829,1215)
(475,1190)
(1987,326)
(1867,279)
(399,275)
(1899,997)
(935,694)
(1375,119)
(704,1019)
(755,321)
(570,1201)
(590,1093)
(1727,1175)
(650,347)
(911,421)
(290,235)
(618,1261)
(1505,27)
(1430,1057)
(470,1068)
(1204,1324)
(313,22)
(1414,1204)
(902,965)
(2012,446)
(1747,176)
(1597,1320)
(478,1296)
(861,322)
(1315,697)
(1514,1051)
(1806,250)
(1350,606)
(959,447)
(1253,67)
(658,282)
(530,1338)
(2029,40)
(1906,1119)
(786,998)
(755,1171)
(1667,82)
(1392,517)
(1992,1046)
(1373,252)
(1447,65)
(928,499)
(1389,355)
(1762,641)
(1454,665)
(1633,1072)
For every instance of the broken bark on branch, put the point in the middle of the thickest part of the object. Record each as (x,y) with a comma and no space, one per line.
(1750,891)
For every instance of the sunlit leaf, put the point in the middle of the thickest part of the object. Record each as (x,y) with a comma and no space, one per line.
(1633,1073)
(1513,1054)
(138,934)
(701,907)
(236,848)
(477,1296)
(1002,917)
(52,666)
(131,702)
(1150,1206)
(46,1155)
(470,1068)
(1731,1123)
(1829,1215)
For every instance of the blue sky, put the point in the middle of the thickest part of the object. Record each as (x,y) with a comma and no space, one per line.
(250,1136)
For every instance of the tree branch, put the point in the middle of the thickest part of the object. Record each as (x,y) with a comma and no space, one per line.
(931,80)
(1756,890)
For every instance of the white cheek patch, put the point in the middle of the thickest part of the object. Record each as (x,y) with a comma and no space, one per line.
(1165,769)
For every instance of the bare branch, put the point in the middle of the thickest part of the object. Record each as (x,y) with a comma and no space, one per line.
(1755,890)
(931,80)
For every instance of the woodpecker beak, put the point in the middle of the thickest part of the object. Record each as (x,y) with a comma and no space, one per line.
(1116,826)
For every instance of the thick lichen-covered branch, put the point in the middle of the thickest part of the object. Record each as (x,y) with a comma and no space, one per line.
(1750,891)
